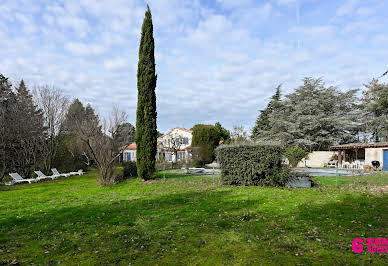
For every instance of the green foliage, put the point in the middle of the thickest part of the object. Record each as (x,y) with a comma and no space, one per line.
(146,132)
(125,134)
(81,221)
(67,159)
(130,169)
(238,135)
(207,138)
(374,105)
(314,117)
(80,123)
(252,164)
(22,133)
(262,122)
(295,154)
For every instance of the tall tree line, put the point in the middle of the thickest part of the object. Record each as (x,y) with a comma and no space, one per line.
(39,130)
(316,116)
(23,131)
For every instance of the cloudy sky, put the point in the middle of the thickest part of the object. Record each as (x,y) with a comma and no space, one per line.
(217,60)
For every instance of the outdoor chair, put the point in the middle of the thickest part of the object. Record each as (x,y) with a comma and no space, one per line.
(18,179)
(43,176)
(79,172)
(55,172)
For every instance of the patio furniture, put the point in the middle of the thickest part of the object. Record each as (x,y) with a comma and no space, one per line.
(43,176)
(18,179)
(332,164)
(79,172)
(346,165)
(55,172)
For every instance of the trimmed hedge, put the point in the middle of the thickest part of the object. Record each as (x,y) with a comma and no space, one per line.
(252,164)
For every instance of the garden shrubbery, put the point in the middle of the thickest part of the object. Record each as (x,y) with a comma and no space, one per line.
(257,164)
(295,154)
(130,169)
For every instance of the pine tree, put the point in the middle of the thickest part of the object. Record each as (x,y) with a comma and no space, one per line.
(146,132)
(262,121)
(8,126)
(30,131)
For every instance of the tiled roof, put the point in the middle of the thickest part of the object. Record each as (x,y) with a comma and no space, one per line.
(183,129)
(131,146)
(359,145)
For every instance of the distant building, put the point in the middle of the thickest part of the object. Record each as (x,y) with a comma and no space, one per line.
(366,153)
(128,153)
(173,146)
(176,143)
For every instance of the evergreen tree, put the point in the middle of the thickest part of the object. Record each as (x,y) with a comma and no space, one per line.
(374,105)
(262,121)
(146,132)
(207,138)
(8,122)
(30,131)
(125,134)
(314,117)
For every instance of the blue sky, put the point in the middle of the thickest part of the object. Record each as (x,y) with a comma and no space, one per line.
(216,60)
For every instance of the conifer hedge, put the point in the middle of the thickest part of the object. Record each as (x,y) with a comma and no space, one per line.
(251,164)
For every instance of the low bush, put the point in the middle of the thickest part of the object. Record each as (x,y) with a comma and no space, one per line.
(257,164)
(295,155)
(130,169)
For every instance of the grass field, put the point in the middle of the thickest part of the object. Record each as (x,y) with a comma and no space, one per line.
(190,220)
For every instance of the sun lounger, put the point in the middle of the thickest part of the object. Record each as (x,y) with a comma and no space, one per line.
(79,172)
(18,179)
(43,176)
(55,172)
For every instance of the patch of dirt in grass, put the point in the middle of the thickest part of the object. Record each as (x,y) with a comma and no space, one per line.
(379,189)
(150,181)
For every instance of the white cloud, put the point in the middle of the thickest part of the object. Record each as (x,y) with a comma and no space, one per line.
(347,8)
(116,64)
(83,49)
(217,62)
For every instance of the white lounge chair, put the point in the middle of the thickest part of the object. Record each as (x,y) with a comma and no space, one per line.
(18,179)
(55,172)
(43,176)
(79,172)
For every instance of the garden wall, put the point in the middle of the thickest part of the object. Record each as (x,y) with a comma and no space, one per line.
(317,159)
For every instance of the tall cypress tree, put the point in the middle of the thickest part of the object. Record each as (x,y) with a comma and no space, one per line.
(262,121)
(146,132)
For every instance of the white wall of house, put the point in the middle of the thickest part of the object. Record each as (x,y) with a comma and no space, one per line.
(374,154)
(132,155)
(317,159)
(175,133)
(184,137)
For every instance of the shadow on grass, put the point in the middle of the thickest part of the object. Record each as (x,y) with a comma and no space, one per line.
(125,229)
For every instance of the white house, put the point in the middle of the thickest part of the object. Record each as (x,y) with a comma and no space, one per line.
(128,153)
(177,143)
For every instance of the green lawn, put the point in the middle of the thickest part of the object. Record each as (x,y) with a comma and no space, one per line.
(190,220)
